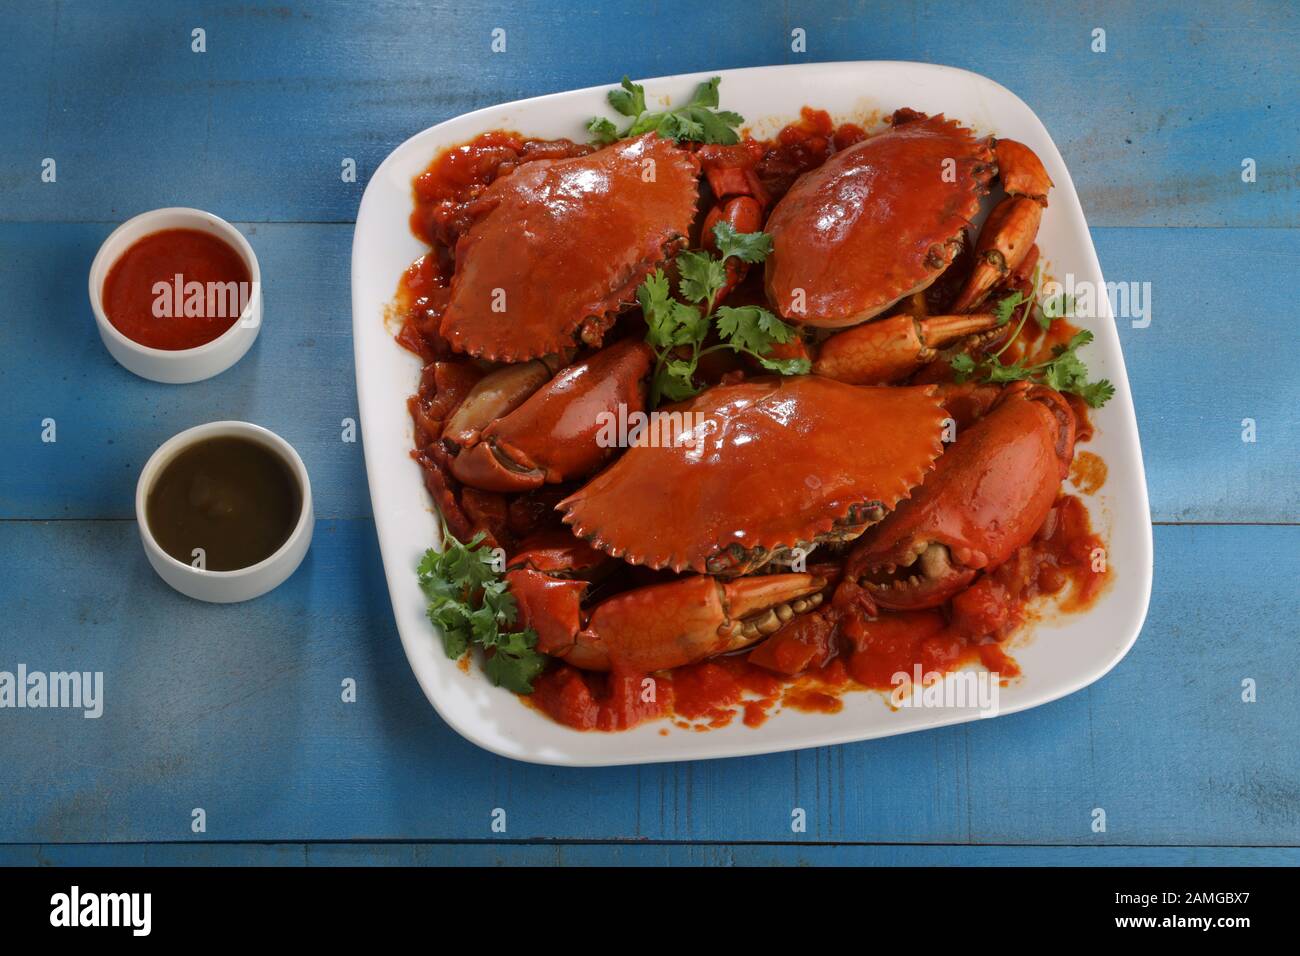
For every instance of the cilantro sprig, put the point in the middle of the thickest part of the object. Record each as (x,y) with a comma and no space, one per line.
(677,330)
(699,120)
(1064,371)
(472,606)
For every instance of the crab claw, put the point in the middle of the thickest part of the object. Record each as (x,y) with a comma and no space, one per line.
(1021,171)
(661,626)
(494,396)
(555,434)
(1004,242)
(888,350)
(1009,232)
(988,496)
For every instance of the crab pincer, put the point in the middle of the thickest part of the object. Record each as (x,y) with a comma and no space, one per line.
(660,626)
(889,350)
(1011,228)
(987,496)
(552,434)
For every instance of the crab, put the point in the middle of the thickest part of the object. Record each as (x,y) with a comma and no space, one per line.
(882,220)
(876,222)
(560,246)
(750,472)
(987,496)
(749,476)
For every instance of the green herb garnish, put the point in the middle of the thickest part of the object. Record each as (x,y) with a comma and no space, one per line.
(1064,371)
(699,120)
(472,606)
(673,325)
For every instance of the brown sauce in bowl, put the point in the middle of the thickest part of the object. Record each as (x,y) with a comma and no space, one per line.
(234,498)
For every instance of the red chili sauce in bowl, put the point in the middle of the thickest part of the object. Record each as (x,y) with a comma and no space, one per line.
(176,289)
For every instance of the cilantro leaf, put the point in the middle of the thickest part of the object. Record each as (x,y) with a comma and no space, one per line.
(752,328)
(602,131)
(680,126)
(677,380)
(515,669)
(1007,306)
(745,246)
(1098,393)
(670,323)
(701,276)
(472,606)
(677,330)
(1064,371)
(964,365)
(706,94)
(786,366)
(629,100)
(699,120)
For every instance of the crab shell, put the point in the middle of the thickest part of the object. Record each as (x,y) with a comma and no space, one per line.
(876,222)
(742,474)
(564,245)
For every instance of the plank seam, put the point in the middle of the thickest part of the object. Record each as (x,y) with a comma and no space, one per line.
(558,841)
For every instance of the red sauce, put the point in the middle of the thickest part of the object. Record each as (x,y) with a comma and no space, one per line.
(589,701)
(1088,472)
(710,691)
(201,308)
(802,146)
(1061,562)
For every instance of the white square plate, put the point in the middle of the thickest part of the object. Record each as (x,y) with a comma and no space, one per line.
(1061,656)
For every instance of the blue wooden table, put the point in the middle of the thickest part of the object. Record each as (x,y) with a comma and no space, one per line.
(237,710)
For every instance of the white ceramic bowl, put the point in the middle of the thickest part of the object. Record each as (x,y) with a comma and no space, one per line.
(1058,656)
(177,366)
(226,587)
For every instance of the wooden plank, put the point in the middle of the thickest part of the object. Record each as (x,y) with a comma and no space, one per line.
(1206,364)
(1196,374)
(237,710)
(626,854)
(1154,129)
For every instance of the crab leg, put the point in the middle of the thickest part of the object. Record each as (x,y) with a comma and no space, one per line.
(1009,232)
(888,350)
(661,626)
(742,213)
